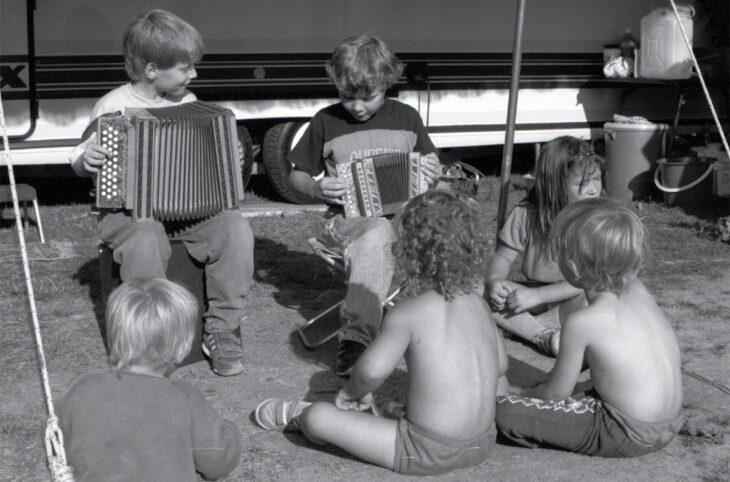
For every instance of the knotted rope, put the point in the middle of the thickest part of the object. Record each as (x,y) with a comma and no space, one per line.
(55,452)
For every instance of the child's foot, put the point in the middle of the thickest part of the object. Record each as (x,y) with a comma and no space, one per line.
(225,351)
(548,342)
(278,414)
(347,355)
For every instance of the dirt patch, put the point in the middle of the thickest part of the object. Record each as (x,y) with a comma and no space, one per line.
(688,271)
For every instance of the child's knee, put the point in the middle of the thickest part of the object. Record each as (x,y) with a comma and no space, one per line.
(382,229)
(379,236)
(313,418)
(236,228)
(150,236)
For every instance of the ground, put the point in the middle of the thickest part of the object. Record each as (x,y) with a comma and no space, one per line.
(688,270)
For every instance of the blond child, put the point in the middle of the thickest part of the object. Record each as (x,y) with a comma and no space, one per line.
(133,421)
(453,352)
(567,171)
(623,337)
(362,124)
(160,53)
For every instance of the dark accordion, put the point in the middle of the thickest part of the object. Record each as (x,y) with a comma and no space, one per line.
(379,185)
(177,163)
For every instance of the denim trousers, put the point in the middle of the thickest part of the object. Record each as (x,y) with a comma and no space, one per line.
(223,243)
(366,245)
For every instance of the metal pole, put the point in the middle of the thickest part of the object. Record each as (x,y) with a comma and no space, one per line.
(509,133)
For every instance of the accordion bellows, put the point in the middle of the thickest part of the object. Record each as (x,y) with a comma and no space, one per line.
(379,185)
(174,163)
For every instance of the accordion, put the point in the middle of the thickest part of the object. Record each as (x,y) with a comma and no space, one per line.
(379,185)
(177,163)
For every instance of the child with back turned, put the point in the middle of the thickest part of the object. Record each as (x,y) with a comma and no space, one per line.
(133,422)
(621,335)
(453,352)
(364,123)
(160,53)
(567,171)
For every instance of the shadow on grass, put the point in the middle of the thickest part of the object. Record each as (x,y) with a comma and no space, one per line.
(88,275)
(303,281)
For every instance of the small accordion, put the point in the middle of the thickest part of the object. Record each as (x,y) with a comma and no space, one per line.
(379,185)
(177,163)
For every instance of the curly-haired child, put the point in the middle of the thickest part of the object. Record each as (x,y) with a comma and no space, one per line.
(567,171)
(623,337)
(133,422)
(452,349)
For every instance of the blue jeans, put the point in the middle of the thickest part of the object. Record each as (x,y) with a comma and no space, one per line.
(223,243)
(366,248)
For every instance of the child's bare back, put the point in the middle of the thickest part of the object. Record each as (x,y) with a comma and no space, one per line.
(454,355)
(622,336)
(454,358)
(633,354)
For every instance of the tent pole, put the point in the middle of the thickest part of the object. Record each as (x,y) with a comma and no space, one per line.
(509,133)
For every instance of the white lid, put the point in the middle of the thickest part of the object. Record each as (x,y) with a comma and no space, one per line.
(625,126)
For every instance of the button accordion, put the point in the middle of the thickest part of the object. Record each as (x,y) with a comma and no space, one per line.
(379,185)
(178,163)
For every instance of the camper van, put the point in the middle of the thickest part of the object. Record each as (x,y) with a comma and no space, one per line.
(265,61)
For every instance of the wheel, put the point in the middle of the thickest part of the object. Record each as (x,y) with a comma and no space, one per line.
(247,165)
(278,141)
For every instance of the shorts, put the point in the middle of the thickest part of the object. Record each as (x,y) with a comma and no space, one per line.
(419,451)
(586,426)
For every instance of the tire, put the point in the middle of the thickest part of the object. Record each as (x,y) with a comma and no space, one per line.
(247,165)
(277,144)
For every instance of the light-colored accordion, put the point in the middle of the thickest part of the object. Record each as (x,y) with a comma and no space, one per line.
(176,163)
(379,185)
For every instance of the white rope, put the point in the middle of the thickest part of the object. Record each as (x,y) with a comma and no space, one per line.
(55,452)
(702,80)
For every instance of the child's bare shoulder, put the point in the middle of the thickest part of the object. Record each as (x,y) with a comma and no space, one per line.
(588,322)
(415,305)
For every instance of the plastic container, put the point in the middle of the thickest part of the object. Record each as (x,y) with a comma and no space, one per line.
(685,181)
(664,53)
(631,154)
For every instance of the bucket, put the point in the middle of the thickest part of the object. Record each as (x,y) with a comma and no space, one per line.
(631,154)
(664,53)
(685,181)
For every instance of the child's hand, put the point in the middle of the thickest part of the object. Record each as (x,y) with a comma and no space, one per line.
(241,160)
(331,190)
(523,299)
(498,291)
(343,401)
(432,168)
(94,156)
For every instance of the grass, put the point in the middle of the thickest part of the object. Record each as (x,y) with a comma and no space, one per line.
(687,270)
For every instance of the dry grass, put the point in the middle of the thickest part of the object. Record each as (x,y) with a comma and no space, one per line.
(688,271)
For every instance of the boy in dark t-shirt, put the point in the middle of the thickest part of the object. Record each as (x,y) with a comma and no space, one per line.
(364,123)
